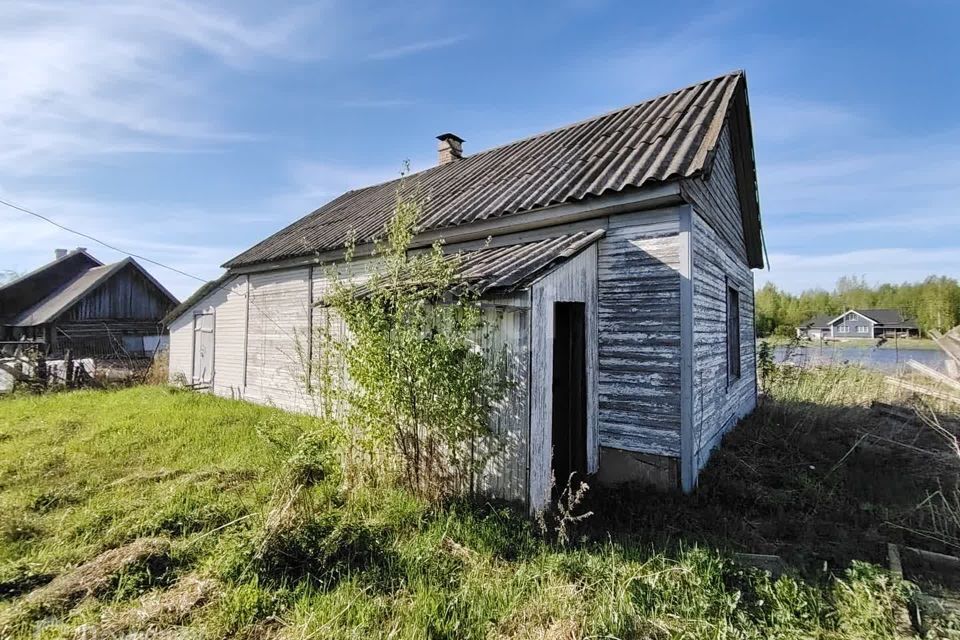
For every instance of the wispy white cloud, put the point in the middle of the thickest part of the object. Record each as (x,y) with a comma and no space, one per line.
(86,79)
(416,47)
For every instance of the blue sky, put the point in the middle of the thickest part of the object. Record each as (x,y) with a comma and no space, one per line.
(187,132)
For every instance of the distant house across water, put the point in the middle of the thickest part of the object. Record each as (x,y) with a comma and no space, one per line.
(860,323)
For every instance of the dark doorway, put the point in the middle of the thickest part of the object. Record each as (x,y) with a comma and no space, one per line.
(569,393)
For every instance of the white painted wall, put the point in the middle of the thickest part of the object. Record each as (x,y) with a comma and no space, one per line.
(278,338)
(228,304)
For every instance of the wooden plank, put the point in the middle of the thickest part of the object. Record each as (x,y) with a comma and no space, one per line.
(688,468)
(909,386)
(948,345)
(639,343)
(953,369)
(719,403)
(934,374)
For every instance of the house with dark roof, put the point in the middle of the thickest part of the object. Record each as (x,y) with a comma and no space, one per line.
(860,323)
(78,303)
(614,257)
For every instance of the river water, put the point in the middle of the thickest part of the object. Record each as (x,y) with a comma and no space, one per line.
(886,359)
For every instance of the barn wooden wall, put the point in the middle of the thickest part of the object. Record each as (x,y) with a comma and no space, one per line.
(639,326)
(125,296)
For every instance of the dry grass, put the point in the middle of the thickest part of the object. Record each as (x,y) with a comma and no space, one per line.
(149,555)
(155,611)
(159,370)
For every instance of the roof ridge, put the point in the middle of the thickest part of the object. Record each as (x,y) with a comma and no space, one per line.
(45,266)
(668,137)
(571,125)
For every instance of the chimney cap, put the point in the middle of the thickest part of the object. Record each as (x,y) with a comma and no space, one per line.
(443,137)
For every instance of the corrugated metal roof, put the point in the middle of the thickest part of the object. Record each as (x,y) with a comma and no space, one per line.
(512,267)
(40,270)
(670,137)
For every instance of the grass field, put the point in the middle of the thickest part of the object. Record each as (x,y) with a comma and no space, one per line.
(152,509)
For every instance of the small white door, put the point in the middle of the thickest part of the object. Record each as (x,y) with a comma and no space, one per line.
(203,331)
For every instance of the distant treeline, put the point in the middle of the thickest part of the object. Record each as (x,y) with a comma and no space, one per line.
(933,303)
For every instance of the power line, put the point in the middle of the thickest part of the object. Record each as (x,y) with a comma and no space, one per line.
(99,241)
(134,255)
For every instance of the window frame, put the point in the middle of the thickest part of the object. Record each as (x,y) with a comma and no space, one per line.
(734,354)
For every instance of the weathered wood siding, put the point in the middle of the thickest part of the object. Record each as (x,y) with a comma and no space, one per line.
(127,295)
(716,198)
(573,281)
(277,339)
(718,259)
(507,336)
(639,333)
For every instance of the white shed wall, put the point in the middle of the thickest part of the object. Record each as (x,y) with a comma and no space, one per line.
(278,338)
(230,320)
(573,281)
(223,302)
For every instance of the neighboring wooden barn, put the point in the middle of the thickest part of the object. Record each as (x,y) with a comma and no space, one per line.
(615,257)
(78,303)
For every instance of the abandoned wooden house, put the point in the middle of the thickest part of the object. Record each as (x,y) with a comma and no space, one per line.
(615,255)
(78,303)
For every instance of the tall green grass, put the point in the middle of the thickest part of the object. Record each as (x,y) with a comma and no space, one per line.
(87,471)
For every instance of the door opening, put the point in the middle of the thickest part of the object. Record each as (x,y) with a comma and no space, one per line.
(569,427)
(203,328)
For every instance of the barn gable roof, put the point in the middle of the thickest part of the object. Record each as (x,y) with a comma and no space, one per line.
(668,138)
(25,291)
(50,308)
